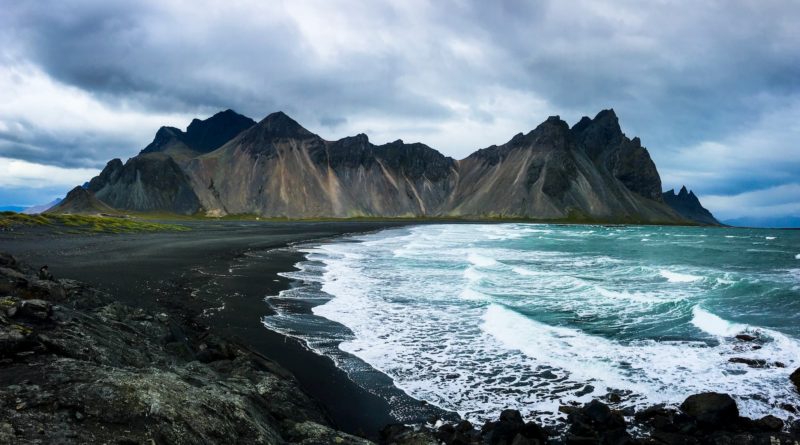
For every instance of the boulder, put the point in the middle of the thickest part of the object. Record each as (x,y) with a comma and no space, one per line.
(44,273)
(751,362)
(769,423)
(35,309)
(511,429)
(595,422)
(795,378)
(393,432)
(12,339)
(711,409)
(8,260)
(462,433)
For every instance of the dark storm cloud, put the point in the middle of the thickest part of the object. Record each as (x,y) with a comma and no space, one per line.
(702,83)
(145,53)
(35,143)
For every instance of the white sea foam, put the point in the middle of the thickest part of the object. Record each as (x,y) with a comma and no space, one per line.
(770,238)
(480,260)
(640,297)
(464,318)
(675,277)
(714,325)
(661,371)
(797,257)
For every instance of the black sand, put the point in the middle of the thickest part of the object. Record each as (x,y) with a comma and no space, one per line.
(187,273)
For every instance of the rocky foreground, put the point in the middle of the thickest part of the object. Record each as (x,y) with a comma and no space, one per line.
(78,367)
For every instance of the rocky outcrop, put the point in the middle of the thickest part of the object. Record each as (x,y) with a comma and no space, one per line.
(277,168)
(509,429)
(80,201)
(711,418)
(687,204)
(148,182)
(711,408)
(795,379)
(707,418)
(77,367)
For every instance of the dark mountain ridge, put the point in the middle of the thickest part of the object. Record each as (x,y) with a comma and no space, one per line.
(687,204)
(277,168)
(202,136)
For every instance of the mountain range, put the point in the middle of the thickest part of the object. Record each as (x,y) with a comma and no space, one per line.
(228,164)
(688,205)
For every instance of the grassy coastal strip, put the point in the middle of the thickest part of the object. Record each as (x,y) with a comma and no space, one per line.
(9,221)
(571,218)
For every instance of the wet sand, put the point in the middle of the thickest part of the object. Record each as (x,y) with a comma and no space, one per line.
(189,274)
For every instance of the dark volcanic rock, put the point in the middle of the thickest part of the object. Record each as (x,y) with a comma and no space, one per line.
(602,139)
(86,369)
(751,362)
(149,182)
(202,136)
(711,409)
(510,429)
(795,378)
(595,422)
(687,204)
(745,337)
(710,418)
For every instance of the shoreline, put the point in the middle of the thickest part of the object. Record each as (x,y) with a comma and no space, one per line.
(165,271)
(185,274)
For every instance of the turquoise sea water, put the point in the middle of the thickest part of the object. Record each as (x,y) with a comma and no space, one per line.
(478,318)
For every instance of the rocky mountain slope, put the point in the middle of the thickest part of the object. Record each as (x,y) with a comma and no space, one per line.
(277,168)
(688,206)
(80,201)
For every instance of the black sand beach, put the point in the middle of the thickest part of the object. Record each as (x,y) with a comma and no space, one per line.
(187,273)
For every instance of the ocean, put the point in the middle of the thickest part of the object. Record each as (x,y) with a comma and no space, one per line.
(476,318)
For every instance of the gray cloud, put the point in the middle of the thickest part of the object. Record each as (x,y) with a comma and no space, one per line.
(701,83)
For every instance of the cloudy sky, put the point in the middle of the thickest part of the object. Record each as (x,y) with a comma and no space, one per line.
(712,88)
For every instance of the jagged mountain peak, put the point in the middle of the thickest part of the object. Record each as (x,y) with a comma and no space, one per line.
(279,124)
(598,134)
(277,167)
(552,132)
(165,136)
(219,120)
(686,203)
(202,136)
(607,115)
(208,135)
(582,124)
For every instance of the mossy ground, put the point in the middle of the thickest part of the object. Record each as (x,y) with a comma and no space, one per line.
(83,223)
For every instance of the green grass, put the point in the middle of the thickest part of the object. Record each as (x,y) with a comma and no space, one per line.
(573,217)
(83,223)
